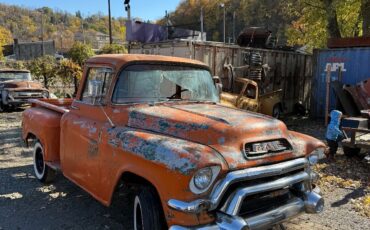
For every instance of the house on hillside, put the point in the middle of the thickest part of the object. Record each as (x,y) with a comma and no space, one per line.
(96,39)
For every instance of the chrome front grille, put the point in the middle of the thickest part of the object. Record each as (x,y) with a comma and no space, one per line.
(233,205)
(27,94)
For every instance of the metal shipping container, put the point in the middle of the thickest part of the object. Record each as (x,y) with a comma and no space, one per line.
(290,71)
(355,65)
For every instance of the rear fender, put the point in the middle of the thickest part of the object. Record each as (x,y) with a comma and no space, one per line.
(44,125)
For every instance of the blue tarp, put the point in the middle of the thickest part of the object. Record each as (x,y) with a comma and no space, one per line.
(148,33)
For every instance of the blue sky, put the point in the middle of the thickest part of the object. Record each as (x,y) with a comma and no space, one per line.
(145,9)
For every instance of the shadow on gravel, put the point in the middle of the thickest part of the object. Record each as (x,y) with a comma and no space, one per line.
(11,138)
(355,194)
(13,110)
(26,203)
(315,128)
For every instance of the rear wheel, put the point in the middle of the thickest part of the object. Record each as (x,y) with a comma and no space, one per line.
(43,173)
(350,152)
(147,210)
(2,106)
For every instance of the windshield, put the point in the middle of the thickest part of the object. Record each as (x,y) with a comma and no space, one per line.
(21,76)
(150,83)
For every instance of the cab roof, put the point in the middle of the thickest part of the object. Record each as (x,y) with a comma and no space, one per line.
(122,59)
(14,71)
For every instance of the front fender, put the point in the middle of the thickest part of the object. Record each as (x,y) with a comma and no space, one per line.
(167,163)
(304,144)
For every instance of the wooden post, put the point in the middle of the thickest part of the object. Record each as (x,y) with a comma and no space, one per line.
(328,73)
(340,74)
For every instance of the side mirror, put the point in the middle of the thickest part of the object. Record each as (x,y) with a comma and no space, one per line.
(96,93)
(218,84)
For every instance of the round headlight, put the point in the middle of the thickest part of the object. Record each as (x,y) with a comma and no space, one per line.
(203,179)
(313,159)
(45,94)
(11,93)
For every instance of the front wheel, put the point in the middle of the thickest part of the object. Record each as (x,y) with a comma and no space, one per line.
(147,210)
(2,106)
(43,173)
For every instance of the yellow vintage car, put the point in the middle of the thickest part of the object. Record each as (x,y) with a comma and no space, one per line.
(250,99)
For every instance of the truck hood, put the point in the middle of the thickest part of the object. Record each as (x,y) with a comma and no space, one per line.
(224,129)
(21,85)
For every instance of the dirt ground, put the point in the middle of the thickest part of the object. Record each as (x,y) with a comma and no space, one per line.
(27,204)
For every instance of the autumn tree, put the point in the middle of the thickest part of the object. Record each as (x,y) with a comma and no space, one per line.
(70,72)
(5,38)
(80,52)
(313,22)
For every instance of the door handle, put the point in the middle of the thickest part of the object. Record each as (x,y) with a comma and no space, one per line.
(75,107)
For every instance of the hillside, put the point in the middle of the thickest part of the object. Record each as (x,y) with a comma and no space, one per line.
(25,24)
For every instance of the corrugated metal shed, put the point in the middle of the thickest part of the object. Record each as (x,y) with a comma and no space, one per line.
(355,64)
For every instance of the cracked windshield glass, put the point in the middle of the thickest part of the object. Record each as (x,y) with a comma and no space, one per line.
(151,83)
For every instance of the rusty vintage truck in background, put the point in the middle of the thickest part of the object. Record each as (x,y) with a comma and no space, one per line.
(17,87)
(154,125)
(249,98)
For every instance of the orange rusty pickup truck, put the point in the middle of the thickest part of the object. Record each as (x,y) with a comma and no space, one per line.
(153,125)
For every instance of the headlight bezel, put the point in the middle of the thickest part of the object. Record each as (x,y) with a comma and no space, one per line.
(214,171)
(45,94)
(316,155)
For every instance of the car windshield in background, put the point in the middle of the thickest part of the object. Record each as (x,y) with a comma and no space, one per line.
(20,76)
(151,83)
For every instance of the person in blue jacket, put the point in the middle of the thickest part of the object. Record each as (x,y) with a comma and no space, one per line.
(333,133)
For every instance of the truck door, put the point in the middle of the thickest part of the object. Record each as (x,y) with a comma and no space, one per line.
(82,130)
(248,99)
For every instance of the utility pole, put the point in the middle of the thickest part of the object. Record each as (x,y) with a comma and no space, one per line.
(222,5)
(234,39)
(42,34)
(201,24)
(128,9)
(167,23)
(110,24)
(83,30)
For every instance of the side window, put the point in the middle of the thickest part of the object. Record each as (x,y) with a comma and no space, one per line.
(251,91)
(97,84)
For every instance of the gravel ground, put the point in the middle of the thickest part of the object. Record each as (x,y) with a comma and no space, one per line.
(27,204)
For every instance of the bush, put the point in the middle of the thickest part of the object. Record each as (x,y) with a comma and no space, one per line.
(113,49)
(80,52)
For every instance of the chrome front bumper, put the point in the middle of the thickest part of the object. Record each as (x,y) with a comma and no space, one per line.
(19,97)
(298,177)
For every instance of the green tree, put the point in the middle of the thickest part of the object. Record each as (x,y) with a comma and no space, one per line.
(113,49)
(313,22)
(80,52)
(45,68)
